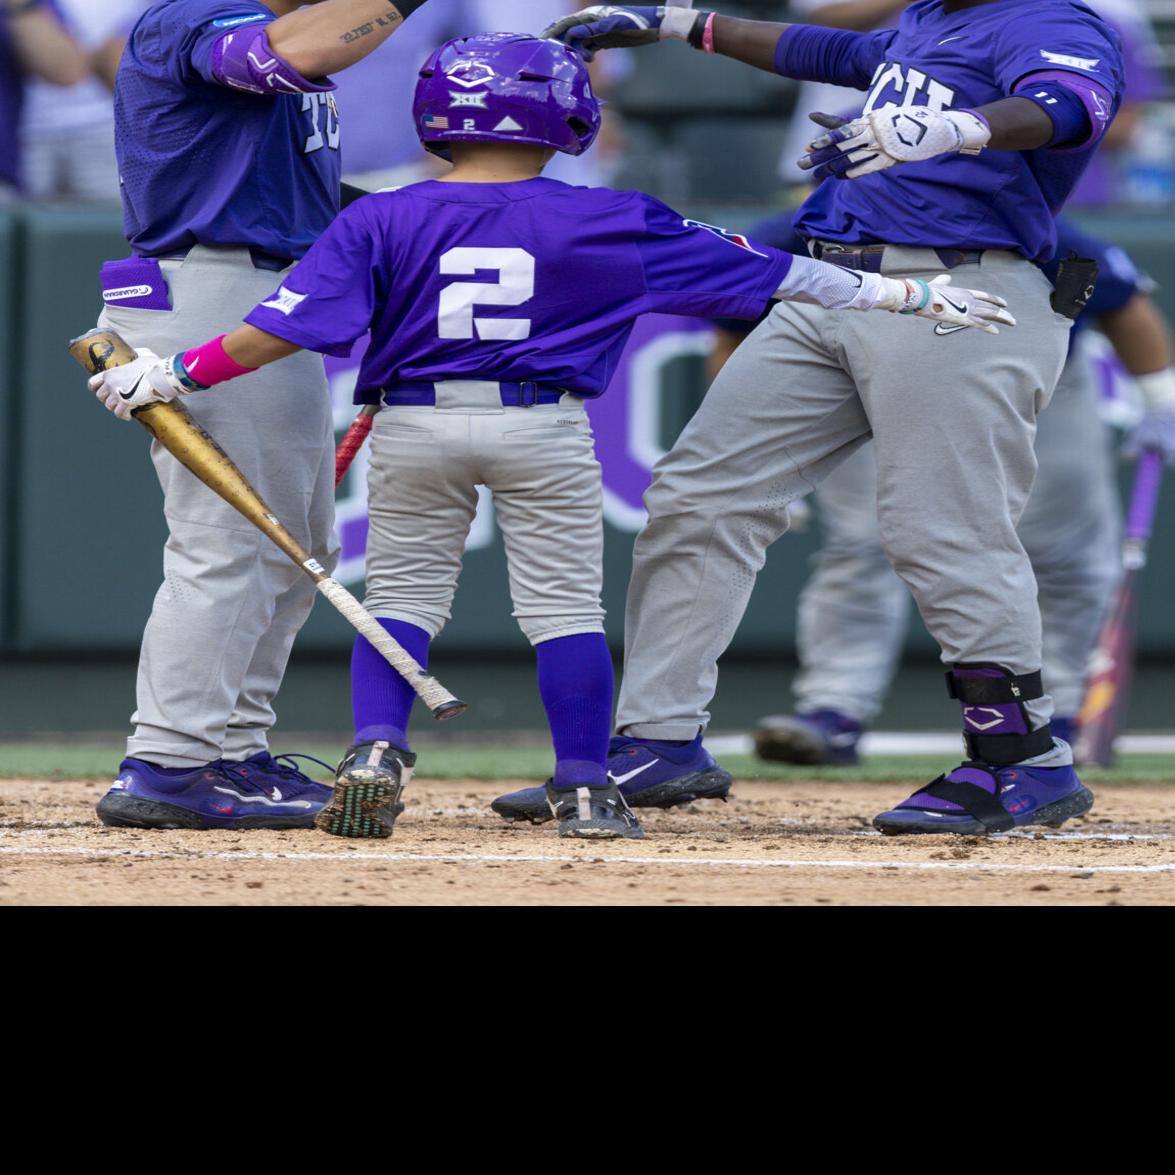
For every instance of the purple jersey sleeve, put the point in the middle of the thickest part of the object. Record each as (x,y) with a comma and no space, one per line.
(1071,43)
(809,53)
(236,53)
(695,268)
(327,301)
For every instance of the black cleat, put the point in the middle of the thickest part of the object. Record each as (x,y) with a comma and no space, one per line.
(593,813)
(368,785)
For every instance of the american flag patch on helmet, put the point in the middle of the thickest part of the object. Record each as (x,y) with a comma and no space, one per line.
(437,122)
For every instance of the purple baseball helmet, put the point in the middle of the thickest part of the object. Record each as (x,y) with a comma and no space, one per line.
(506,88)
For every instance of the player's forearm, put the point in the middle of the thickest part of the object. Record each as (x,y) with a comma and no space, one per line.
(1017,124)
(250,347)
(1141,336)
(331,36)
(750,41)
(104,60)
(45,49)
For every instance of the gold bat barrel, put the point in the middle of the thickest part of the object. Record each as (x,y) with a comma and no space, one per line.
(178,431)
(174,427)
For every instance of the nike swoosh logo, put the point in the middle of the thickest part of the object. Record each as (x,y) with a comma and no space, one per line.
(941,328)
(953,305)
(131,394)
(619,779)
(264,801)
(949,40)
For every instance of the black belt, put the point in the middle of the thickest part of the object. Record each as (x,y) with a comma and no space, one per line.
(513,395)
(870,257)
(262,258)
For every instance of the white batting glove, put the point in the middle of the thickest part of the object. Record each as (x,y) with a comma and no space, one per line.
(955,307)
(884,138)
(1156,430)
(146,380)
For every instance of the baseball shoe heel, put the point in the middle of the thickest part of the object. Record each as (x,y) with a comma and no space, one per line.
(593,813)
(218,795)
(978,799)
(368,786)
(818,738)
(648,777)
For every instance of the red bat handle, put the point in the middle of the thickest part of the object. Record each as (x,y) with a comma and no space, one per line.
(353,442)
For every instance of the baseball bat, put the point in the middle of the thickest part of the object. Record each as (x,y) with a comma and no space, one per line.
(1107,693)
(349,448)
(174,427)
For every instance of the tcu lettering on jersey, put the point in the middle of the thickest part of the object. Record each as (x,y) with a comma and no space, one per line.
(898,85)
(324,122)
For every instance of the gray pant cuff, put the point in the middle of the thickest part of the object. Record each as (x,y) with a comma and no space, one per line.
(662,731)
(152,753)
(570,630)
(433,625)
(238,749)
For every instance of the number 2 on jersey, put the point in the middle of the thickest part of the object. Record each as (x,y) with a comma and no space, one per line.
(514,286)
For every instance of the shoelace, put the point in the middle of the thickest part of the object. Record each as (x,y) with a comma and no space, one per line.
(241,772)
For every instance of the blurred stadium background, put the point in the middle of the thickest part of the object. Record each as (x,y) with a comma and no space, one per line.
(81,529)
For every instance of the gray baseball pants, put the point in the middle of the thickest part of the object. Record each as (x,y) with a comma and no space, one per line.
(854,608)
(224,620)
(953,421)
(540,465)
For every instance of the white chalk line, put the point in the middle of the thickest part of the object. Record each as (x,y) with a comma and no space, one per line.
(542,859)
(849,834)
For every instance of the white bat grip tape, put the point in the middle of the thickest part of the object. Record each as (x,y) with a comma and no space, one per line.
(428,689)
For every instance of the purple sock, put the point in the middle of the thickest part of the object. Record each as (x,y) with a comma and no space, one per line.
(575,683)
(381,699)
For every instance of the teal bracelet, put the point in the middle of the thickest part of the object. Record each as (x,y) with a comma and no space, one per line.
(925,297)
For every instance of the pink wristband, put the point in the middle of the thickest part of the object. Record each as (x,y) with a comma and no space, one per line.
(211,364)
(708,34)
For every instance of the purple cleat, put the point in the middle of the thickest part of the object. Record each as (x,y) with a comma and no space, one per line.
(649,775)
(815,738)
(261,792)
(977,799)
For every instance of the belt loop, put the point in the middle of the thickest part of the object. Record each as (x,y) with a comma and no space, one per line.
(528,394)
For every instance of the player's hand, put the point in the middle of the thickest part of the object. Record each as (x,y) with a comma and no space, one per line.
(1156,430)
(610,26)
(941,302)
(147,380)
(884,138)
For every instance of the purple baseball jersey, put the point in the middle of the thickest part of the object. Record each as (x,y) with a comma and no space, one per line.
(534,280)
(961,60)
(211,155)
(11,92)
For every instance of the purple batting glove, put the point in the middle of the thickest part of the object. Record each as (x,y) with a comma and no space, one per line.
(607,26)
(825,159)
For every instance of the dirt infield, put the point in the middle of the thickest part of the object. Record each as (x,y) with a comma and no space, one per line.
(773,844)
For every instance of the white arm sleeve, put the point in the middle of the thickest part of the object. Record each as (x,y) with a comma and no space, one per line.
(835,288)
